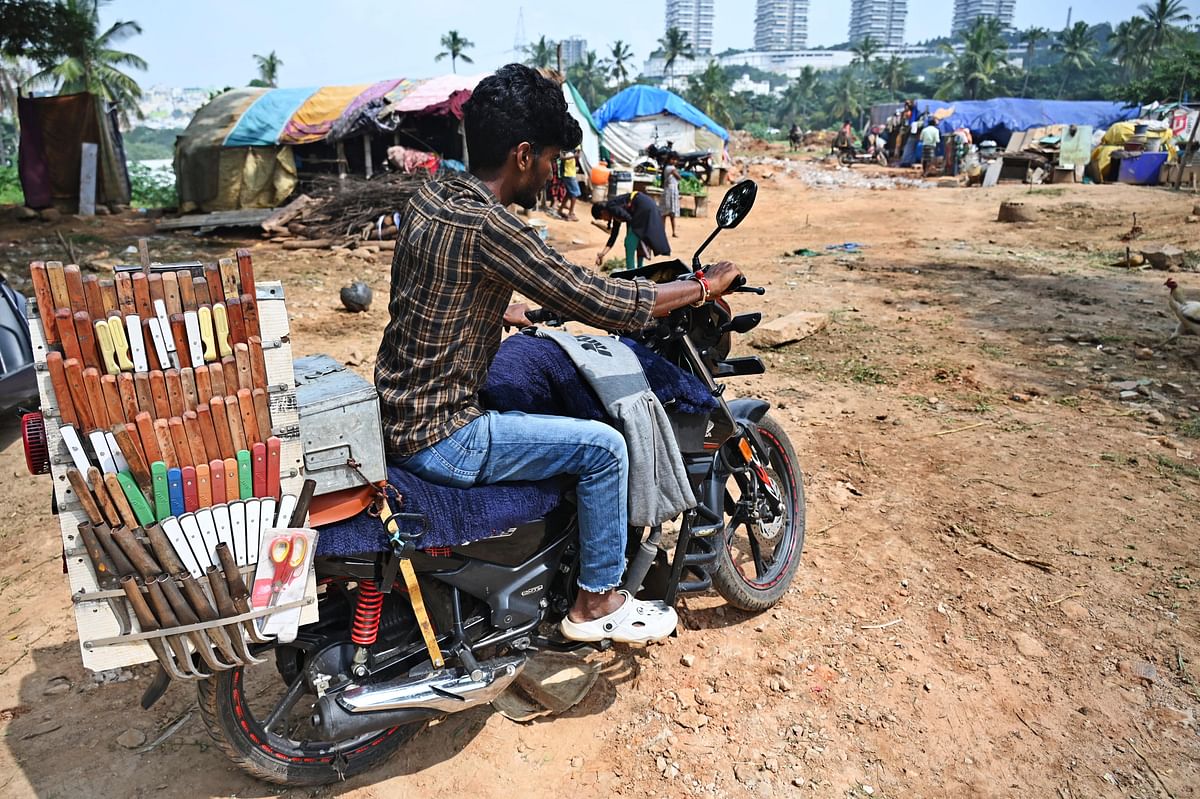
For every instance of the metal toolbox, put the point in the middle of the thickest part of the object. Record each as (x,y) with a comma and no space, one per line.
(339,423)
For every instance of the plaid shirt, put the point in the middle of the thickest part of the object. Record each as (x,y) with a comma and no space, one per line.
(459,257)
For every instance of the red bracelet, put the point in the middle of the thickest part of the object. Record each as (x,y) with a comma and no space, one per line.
(703,281)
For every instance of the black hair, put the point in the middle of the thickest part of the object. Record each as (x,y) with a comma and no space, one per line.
(514,105)
(598,209)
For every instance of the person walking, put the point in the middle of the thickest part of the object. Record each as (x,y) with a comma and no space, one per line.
(670,195)
(569,170)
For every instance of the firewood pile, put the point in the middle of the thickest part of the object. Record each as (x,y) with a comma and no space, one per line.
(343,212)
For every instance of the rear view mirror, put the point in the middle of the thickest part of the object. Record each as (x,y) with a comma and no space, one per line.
(737,204)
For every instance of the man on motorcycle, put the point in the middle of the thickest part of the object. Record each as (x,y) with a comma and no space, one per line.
(460,254)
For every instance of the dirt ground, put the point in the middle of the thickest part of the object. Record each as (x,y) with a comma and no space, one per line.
(998,596)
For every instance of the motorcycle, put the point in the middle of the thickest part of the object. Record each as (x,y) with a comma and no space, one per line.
(354,687)
(654,159)
(873,152)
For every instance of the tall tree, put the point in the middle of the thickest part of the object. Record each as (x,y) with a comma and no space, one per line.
(893,74)
(456,47)
(675,45)
(1031,38)
(865,52)
(589,78)
(1127,45)
(1077,46)
(541,53)
(710,92)
(621,55)
(1163,17)
(89,60)
(268,69)
(974,72)
(845,102)
(799,97)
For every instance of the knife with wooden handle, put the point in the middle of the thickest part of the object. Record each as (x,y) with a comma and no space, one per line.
(234,414)
(133,456)
(84,495)
(204,387)
(208,335)
(158,341)
(162,435)
(95,397)
(45,301)
(158,391)
(103,501)
(74,445)
(171,293)
(187,376)
(208,433)
(179,337)
(241,357)
(137,343)
(175,392)
(156,287)
(258,362)
(216,377)
(245,399)
(86,335)
(212,275)
(104,343)
(274,466)
(237,320)
(148,436)
(93,299)
(58,284)
(117,494)
(152,361)
(250,313)
(245,272)
(203,485)
(262,412)
(221,423)
(229,276)
(216,471)
(195,438)
(141,294)
(200,289)
(78,392)
(230,374)
(116,330)
(112,399)
(108,293)
(76,299)
(64,323)
(125,300)
(141,388)
(187,290)
(195,344)
(62,392)
(183,450)
(221,329)
(132,430)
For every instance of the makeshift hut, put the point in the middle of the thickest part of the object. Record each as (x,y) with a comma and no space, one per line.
(248,148)
(640,115)
(54,131)
(999,118)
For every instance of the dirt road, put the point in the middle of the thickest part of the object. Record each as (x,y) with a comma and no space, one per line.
(999,590)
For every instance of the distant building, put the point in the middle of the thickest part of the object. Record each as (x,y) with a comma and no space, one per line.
(781,62)
(573,50)
(744,84)
(882,20)
(967,11)
(695,18)
(781,25)
(165,107)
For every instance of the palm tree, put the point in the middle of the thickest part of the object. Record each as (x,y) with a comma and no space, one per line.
(541,53)
(974,72)
(1162,17)
(1078,49)
(846,100)
(1126,45)
(1031,38)
(268,69)
(709,91)
(864,52)
(622,55)
(798,98)
(893,74)
(674,44)
(91,64)
(456,47)
(588,77)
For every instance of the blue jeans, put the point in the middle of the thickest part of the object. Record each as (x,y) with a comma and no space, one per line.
(500,447)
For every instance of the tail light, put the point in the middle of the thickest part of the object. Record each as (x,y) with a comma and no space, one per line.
(37,451)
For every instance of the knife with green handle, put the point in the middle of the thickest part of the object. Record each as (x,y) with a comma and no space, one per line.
(162,498)
(245,475)
(137,501)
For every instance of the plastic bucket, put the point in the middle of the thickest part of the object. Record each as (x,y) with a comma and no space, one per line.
(599,194)
(1141,170)
(600,175)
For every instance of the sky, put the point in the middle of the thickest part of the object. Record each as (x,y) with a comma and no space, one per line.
(210,44)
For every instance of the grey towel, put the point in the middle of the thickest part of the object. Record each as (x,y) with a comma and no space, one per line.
(658,486)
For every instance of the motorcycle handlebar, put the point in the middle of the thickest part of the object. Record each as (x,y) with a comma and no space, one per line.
(739,287)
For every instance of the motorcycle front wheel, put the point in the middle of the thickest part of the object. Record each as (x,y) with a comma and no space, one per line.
(764,526)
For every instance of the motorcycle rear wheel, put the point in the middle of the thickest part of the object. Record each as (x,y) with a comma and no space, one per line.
(762,551)
(234,713)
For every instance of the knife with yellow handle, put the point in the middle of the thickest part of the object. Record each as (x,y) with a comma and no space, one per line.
(204,317)
(116,331)
(108,352)
(221,323)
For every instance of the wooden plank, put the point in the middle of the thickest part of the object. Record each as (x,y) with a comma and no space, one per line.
(278,221)
(87,179)
(251,217)
(992,176)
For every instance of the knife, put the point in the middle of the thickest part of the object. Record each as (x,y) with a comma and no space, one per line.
(187,376)
(203,485)
(108,352)
(137,343)
(182,351)
(220,514)
(158,393)
(216,470)
(129,401)
(45,301)
(112,399)
(200,289)
(258,461)
(237,320)
(64,324)
(76,299)
(216,376)
(250,314)
(108,294)
(135,498)
(229,276)
(208,433)
(262,412)
(274,466)
(173,529)
(204,389)
(86,336)
(95,398)
(207,336)
(195,345)
(162,493)
(179,440)
(100,448)
(145,428)
(241,356)
(133,456)
(93,299)
(116,493)
(287,506)
(78,392)
(191,495)
(84,495)
(62,392)
(245,474)
(125,301)
(159,341)
(197,445)
(266,517)
(187,290)
(103,500)
(208,531)
(212,275)
(221,328)
(162,434)
(152,361)
(234,415)
(195,539)
(175,490)
(221,423)
(253,526)
(170,282)
(115,450)
(156,287)
(164,323)
(232,489)
(116,330)
(229,375)
(237,530)
(141,389)
(175,392)
(141,294)
(249,419)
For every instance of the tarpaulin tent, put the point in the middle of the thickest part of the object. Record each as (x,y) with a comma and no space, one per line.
(640,115)
(578,109)
(997,119)
(53,130)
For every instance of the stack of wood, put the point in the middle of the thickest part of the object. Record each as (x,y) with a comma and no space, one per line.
(342,213)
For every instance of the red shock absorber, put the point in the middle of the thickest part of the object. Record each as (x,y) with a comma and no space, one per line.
(367,611)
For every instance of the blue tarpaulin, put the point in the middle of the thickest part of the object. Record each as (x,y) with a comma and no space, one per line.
(261,123)
(642,101)
(997,119)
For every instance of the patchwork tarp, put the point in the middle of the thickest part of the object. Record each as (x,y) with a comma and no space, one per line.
(313,120)
(591,135)
(640,115)
(263,122)
(997,119)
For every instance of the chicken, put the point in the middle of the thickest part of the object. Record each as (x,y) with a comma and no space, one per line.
(1186,311)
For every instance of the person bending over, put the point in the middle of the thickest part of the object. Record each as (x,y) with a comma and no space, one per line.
(645,234)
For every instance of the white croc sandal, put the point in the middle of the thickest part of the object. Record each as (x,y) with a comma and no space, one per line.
(635,622)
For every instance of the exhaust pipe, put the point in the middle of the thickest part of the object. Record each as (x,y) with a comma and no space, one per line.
(364,709)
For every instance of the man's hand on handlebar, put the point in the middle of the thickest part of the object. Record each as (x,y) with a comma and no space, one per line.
(721,277)
(514,315)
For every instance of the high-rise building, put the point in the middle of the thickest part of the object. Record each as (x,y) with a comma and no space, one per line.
(781,25)
(882,20)
(695,18)
(573,50)
(967,11)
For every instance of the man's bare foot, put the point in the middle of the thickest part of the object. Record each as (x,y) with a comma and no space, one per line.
(589,605)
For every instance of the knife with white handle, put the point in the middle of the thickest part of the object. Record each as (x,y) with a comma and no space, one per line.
(160,342)
(70,437)
(173,527)
(103,454)
(137,343)
(208,532)
(195,540)
(237,527)
(253,521)
(195,345)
